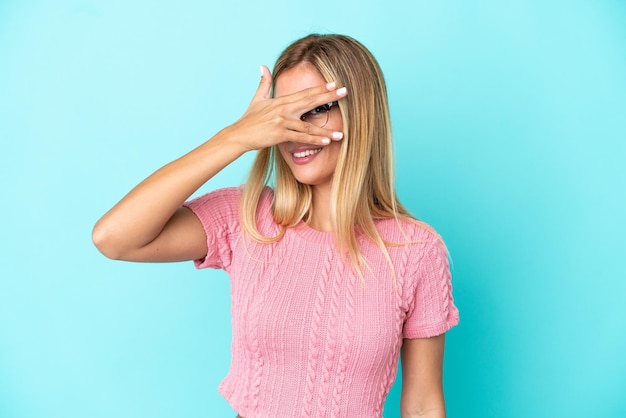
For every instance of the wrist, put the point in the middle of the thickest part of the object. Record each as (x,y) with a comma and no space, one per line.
(230,139)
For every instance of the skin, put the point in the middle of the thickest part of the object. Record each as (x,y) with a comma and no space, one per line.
(149,224)
(318,172)
(422,386)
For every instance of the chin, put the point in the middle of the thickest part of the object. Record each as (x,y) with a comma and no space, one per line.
(313,181)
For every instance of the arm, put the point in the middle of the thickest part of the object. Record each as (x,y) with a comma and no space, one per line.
(148,224)
(422,388)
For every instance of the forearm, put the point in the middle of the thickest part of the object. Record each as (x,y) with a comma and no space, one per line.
(140,216)
(137,227)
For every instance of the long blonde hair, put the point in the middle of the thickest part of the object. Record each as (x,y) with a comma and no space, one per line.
(363,183)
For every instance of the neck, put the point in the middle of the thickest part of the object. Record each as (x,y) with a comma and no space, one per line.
(320,210)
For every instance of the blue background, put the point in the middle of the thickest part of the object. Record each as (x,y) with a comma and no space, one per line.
(510,127)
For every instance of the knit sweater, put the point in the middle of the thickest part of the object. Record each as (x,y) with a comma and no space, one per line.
(310,337)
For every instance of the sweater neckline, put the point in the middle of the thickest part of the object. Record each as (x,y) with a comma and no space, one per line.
(313,235)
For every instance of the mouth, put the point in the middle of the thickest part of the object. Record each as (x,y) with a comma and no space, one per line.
(304,156)
(306,153)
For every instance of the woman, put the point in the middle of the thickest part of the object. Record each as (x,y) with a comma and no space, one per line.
(331,278)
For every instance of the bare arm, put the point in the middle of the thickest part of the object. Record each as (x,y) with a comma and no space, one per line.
(422,388)
(148,224)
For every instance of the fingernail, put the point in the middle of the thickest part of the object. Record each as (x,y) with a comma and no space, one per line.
(261,68)
(337,135)
(325,141)
(342,91)
(331,85)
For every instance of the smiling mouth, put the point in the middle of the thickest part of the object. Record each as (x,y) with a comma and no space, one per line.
(306,153)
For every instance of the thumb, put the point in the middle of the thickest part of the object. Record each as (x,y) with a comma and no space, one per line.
(263,91)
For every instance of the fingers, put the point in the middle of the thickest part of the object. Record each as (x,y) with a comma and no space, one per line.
(302,138)
(309,98)
(269,121)
(303,101)
(263,91)
(306,99)
(307,133)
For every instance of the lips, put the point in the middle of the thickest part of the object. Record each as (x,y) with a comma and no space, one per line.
(303,155)
(306,153)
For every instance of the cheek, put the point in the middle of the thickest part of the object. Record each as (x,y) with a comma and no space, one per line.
(334,149)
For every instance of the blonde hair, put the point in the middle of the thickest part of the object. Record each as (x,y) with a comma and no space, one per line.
(363,183)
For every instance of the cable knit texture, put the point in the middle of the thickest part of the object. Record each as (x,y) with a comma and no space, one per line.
(310,339)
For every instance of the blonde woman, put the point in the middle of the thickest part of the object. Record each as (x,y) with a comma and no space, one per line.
(332,279)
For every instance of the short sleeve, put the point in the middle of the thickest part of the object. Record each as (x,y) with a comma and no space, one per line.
(219,213)
(431,311)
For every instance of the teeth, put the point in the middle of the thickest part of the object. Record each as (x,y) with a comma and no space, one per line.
(306,153)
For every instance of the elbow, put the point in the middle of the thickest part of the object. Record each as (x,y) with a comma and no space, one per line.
(426,413)
(105,242)
(435,409)
(423,404)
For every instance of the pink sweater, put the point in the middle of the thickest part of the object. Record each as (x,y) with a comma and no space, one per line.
(309,338)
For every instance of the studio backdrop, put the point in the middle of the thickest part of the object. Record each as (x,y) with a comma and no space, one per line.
(510,129)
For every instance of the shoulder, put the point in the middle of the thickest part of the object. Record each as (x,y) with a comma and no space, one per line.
(407,230)
(217,205)
(225,205)
(220,198)
(226,195)
(413,243)
(232,195)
